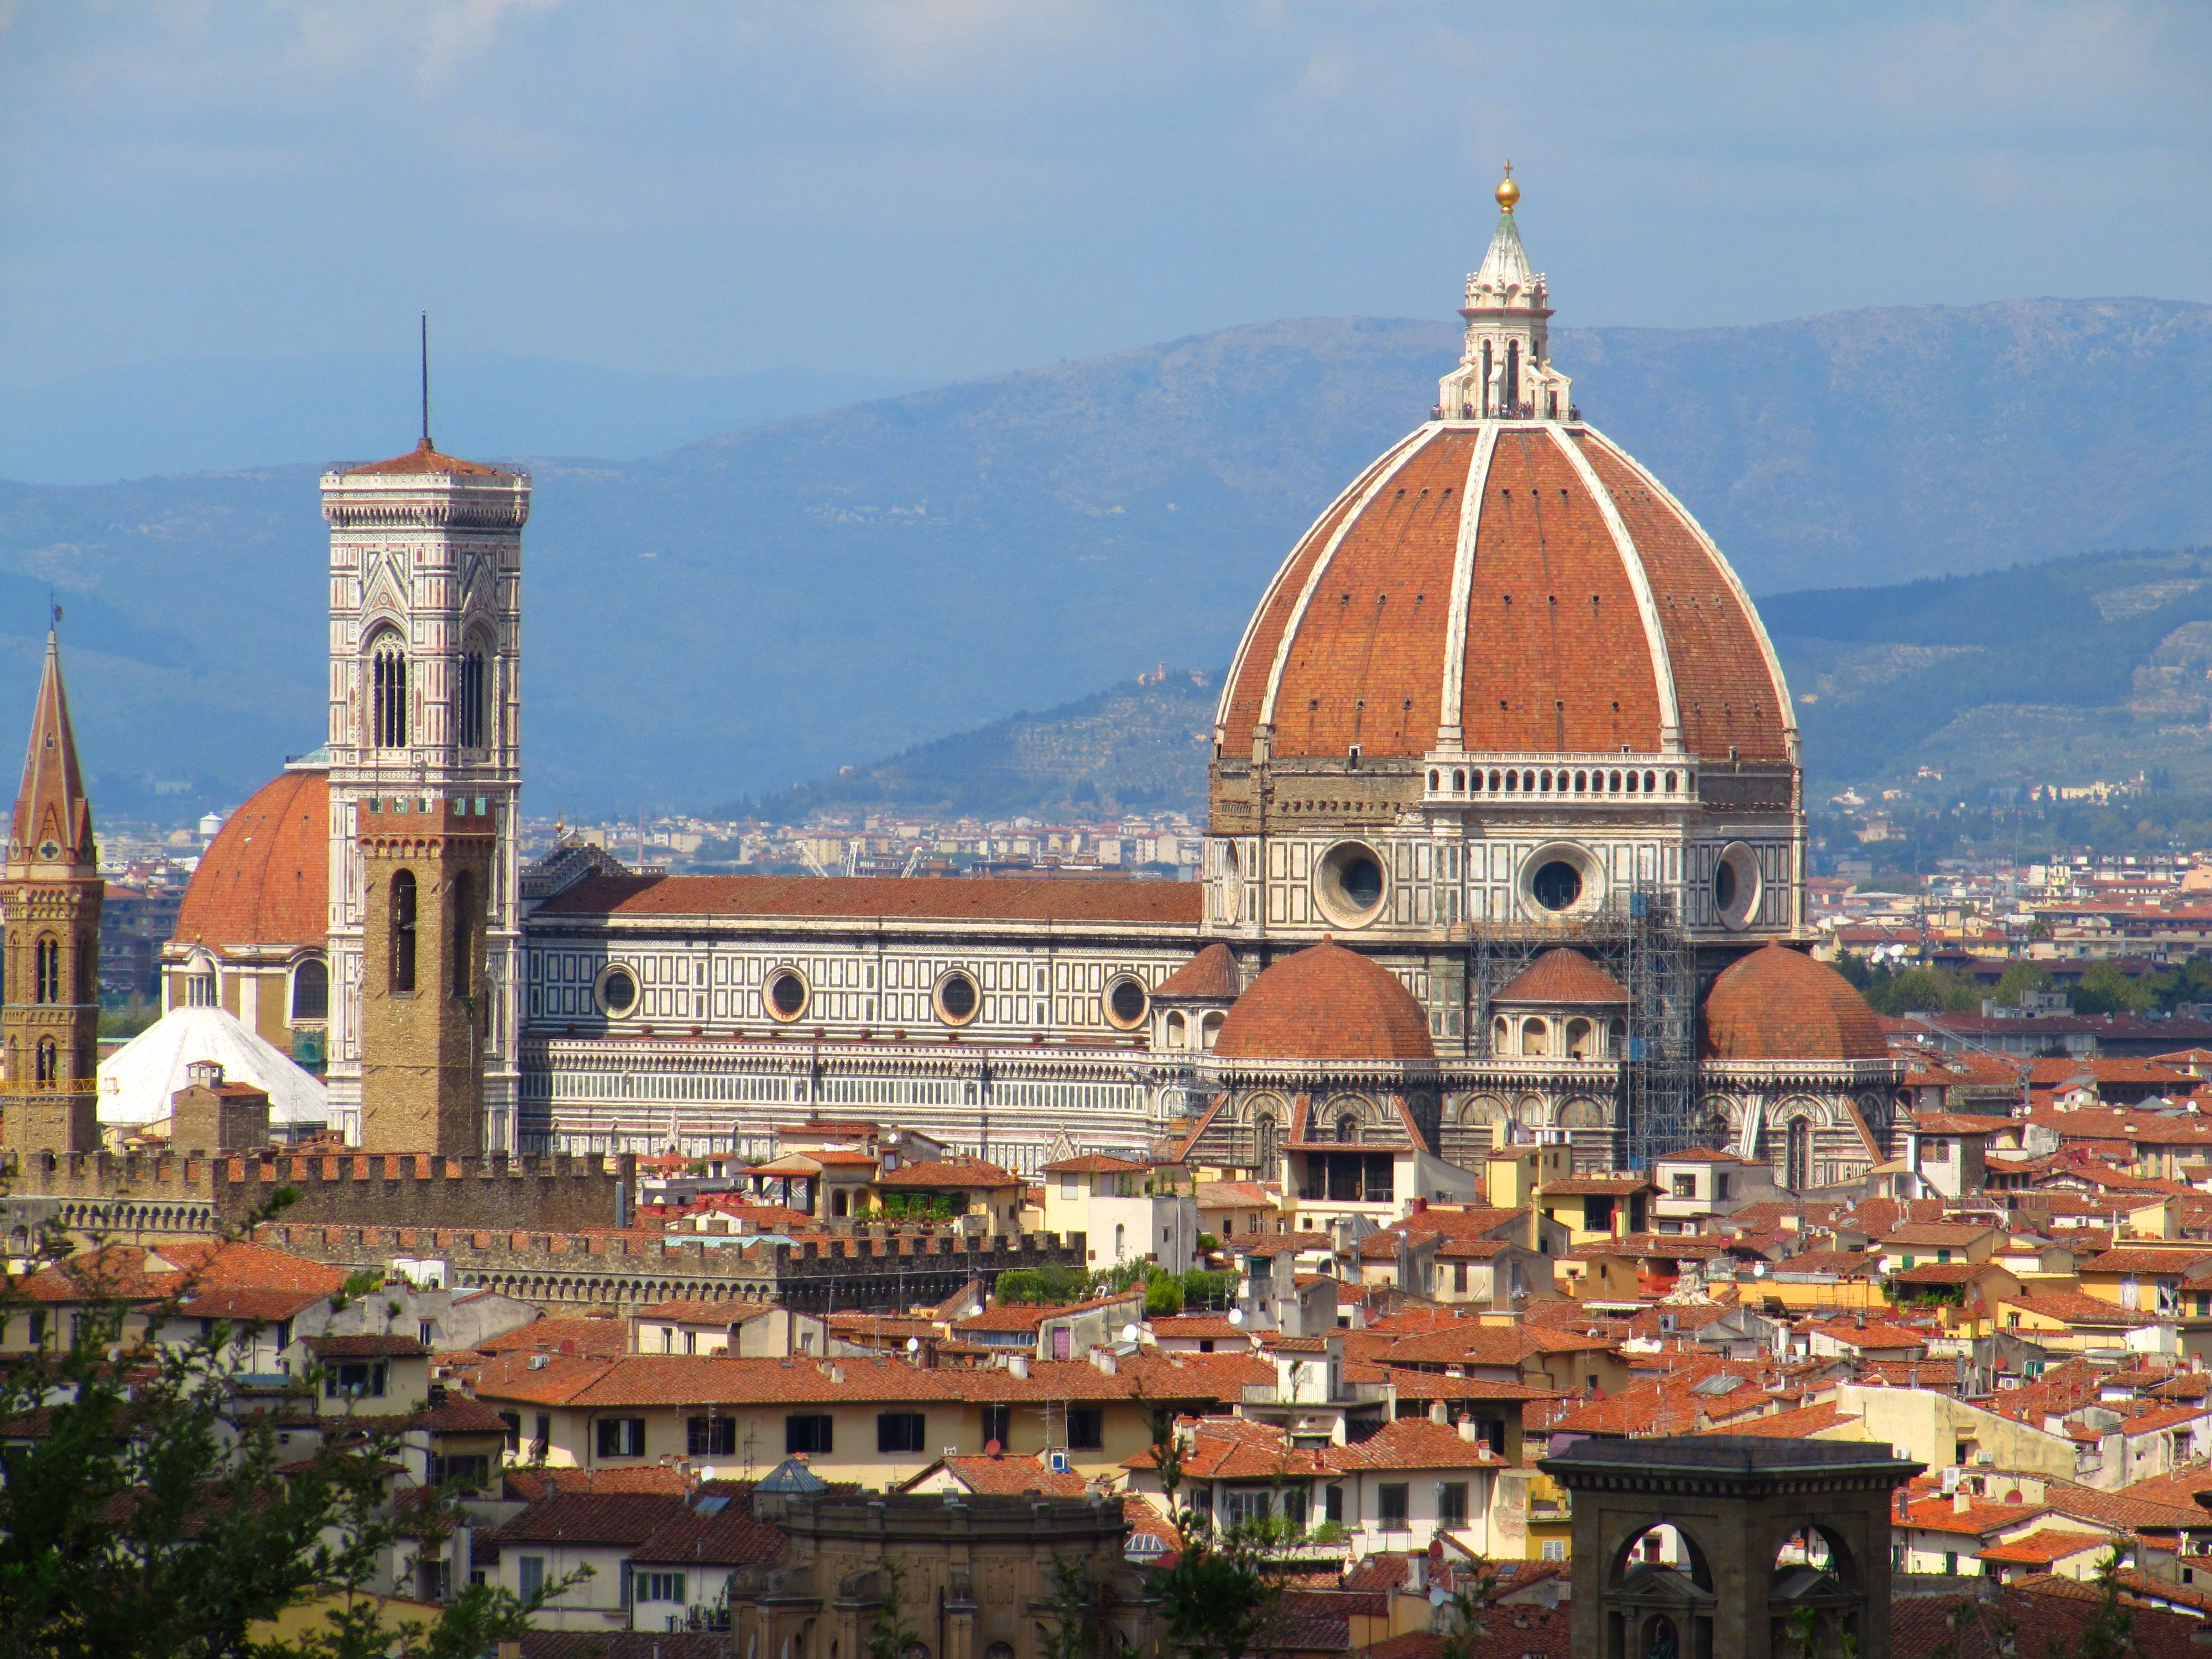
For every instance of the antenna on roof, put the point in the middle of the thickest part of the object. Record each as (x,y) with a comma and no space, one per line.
(426,379)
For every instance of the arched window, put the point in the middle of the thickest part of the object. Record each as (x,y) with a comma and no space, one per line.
(472,718)
(1533,1033)
(310,990)
(402,931)
(1120,1247)
(1348,1130)
(1176,1031)
(1800,1155)
(1486,379)
(1512,378)
(1578,1039)
(50,1061)
(1264,1152)
(1208,1029)
(465,894)
(388,713)
(49,969)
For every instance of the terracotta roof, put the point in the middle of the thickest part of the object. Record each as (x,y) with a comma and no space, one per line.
(1409,1443)
(1595,1185)
(2042,1548)
(1326,1003)
(599,1337)
(1981,1518)
(1798,1425)
(1958,1124)
(1943,1273)
(1558,655)
(427,460)
(592,1517)
(1095,1163)
(2073,1308)
(953,1172)
(1009,1475)
(266,878)
(1779,1003)
(1165,903)
(1938,1233)
(1562,975)
(2148,1260)
(1211,974)
(528,1484)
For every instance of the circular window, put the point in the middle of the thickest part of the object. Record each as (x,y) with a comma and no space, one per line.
(1556,885)
(787,995)
(1349,884)
(1126,1002)
(1735,887)
(616,991)
(956,998)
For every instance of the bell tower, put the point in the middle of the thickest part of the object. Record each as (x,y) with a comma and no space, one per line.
(425,707)
(49,1102)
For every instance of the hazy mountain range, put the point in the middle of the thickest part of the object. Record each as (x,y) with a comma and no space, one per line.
(830,588)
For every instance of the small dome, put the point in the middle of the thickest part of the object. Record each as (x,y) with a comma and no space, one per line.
(1563,976)
(1326,1003)
(1779,1003)
(137,1080)
(1210,974)
(266,878)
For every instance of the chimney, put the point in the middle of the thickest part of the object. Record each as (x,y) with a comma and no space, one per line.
(1437,1413)
(1961,1503)
(1467,1432)
(1018,1364)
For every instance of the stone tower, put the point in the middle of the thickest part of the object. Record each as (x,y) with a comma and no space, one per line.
(426,635)
(427,867)
(52,894)
(1730,1546)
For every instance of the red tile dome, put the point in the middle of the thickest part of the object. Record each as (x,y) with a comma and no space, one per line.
(266,878)
(1779,1003)
(1597,615)
(1326,1003)
(1563,976)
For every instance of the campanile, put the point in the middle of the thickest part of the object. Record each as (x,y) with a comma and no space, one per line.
(52,893)
(425,706)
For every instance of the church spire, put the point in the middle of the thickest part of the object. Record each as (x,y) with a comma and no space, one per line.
(1505,371)
(52,830)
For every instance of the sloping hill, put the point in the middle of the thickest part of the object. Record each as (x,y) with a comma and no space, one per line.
(770,605)
(2094,667)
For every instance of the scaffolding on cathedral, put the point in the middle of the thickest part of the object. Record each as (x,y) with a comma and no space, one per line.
(1635,935)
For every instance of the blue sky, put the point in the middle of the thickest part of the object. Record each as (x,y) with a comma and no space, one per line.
(951,187)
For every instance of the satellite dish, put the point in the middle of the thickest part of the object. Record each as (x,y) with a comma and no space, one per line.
(1436,1596)
(1236,1315)
(914,1345)
(1130,1332)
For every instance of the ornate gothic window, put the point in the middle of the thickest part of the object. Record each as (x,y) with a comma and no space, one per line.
(49,969)
(472,722)
(1798,1155)
(402,931)
(50,1061)
(387,715)
(1264,1153)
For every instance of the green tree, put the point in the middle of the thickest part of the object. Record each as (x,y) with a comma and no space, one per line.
(2105,990)
(2020,979)
(1081,1611)
(1163,1297)
(1925,991)
(1223,1598)
(148,1517)
(2111,1631)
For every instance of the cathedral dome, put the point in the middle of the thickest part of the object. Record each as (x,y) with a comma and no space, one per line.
(1779,1003)
(1326,1003)
(266,878)
(1505,580)
(1593,615)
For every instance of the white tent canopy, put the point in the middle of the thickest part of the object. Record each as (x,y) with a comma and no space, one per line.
(137,1080)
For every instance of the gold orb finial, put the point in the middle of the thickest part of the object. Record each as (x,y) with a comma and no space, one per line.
(1508,192)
